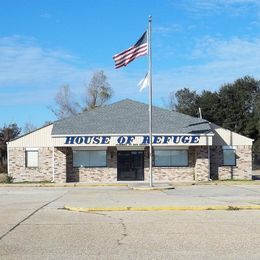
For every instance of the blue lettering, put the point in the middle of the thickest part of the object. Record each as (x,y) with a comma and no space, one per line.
(121,140)
(79,140)
(146,139)
(195,139)
(130,139)
(87,139)
(166,139)
(105,140)
(70,140)
(96,140)
(157,139)
(185,139)
(176,139)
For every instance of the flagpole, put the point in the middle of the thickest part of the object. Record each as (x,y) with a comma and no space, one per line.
(150,100)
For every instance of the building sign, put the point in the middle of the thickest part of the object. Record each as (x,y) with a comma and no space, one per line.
(133,140)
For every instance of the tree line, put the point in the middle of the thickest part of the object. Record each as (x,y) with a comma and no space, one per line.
(235,106)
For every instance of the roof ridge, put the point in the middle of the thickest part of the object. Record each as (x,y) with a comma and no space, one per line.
(133,101)
(130,116)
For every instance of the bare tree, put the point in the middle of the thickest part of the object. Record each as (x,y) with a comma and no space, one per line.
(171,101)
(46,123)
(65,104)
(29,127)
(98,90)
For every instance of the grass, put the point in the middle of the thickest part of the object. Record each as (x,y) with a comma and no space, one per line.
(32,182)
(233,208)
(229,182)
(4,178)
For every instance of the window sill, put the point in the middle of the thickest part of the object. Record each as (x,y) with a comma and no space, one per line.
(86,167)
(172,166)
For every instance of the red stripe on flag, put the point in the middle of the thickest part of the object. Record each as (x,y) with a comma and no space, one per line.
(130,58)
(130,51)
(125,57)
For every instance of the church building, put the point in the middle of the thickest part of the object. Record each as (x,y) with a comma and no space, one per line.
(110,144)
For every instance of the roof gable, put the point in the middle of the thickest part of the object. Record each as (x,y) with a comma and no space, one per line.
(224,136)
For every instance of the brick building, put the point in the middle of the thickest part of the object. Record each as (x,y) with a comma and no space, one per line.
(111,144)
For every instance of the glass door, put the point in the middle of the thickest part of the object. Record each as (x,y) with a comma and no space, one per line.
(130,165)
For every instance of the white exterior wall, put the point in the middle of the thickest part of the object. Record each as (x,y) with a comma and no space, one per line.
(243,150)
(226,137)
(39,138)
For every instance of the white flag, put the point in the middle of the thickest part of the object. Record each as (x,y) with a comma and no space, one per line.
(143,83)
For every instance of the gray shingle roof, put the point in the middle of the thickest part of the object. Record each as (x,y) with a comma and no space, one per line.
(129,117)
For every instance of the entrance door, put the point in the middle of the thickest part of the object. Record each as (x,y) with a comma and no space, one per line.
(130,166)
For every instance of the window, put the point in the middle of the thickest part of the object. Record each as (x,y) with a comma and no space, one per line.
(229,156)
(171,157)
(83,158)
(31,156)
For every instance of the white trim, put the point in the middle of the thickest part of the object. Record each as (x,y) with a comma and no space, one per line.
(8,163)
(53,165)
(171,147)
(89,148)
(154,134)
(130,148)
(32,149)
(32,158)
(208,158)
(228,147)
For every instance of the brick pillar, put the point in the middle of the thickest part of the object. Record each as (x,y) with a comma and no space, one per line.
(60,164)
(201,164)
(146,164)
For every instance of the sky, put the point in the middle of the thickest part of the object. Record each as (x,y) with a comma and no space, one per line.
(45,44)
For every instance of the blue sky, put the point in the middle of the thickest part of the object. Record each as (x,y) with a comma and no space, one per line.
(197,44)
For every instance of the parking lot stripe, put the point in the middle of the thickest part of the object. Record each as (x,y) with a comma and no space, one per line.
(166,208)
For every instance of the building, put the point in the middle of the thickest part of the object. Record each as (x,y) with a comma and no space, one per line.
(111,144)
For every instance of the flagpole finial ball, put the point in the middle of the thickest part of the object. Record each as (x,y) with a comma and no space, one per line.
(150,18)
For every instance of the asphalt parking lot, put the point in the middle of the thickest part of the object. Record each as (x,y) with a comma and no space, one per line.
(34,225)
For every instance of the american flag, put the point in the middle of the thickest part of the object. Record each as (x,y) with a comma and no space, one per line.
(125,57)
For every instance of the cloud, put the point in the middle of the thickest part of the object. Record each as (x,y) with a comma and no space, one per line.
(31,74)
(24,62)
(217,62)
(46,15)
(207,7)
(166,30)
(235,49)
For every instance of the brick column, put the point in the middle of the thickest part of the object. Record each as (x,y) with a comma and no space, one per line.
(60,164)
(201,164)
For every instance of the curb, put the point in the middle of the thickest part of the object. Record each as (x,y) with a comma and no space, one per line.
(65,185)
(164,208)
(151,188)
(131,186)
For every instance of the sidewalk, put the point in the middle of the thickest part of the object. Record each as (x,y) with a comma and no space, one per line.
(198,197)
(192,196)
(133,185)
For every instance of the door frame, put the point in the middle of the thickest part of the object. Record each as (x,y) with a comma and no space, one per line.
(142,159)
